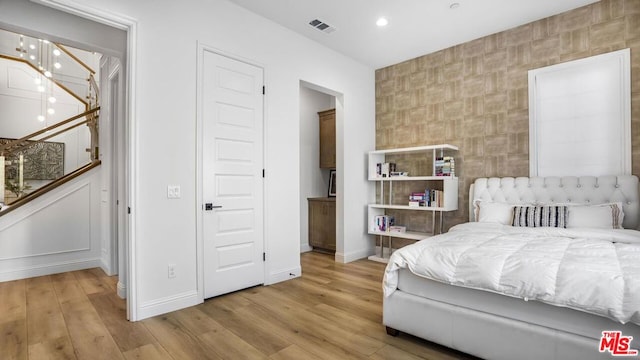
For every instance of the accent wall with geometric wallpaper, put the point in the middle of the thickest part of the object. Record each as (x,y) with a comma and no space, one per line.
(475,95)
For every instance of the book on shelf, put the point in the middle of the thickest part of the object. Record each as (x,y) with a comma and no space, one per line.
(428,198)
(382,222)
(436,198)
(445,166)
(398,229)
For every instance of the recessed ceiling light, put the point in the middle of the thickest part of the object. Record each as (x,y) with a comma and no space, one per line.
(454,5)
(382,21)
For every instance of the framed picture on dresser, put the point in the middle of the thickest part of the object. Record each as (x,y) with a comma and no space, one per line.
(332,183)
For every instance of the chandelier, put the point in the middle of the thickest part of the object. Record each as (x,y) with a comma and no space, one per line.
(45,57)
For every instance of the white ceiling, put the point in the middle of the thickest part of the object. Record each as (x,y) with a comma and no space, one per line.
(416,27)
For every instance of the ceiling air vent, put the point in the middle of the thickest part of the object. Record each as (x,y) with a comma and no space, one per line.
(322,26)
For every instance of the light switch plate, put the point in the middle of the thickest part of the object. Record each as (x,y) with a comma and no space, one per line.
(173,191)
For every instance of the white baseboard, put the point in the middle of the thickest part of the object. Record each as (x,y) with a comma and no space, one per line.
(168,304)
(106,268)
(48,269)
(121,290)
(283,275)
(305,248)
(352,256)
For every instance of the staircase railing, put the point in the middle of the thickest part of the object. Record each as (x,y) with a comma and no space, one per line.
(93,88)
(33,165)
(37,163)
(56,82)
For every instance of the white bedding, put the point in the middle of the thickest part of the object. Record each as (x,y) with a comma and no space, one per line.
(592,270)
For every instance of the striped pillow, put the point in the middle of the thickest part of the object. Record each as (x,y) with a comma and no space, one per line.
(540,216)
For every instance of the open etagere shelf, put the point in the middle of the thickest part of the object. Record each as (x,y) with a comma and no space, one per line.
(448,184)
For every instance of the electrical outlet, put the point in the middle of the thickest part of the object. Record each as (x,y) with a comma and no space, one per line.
(171,271)
(173,191)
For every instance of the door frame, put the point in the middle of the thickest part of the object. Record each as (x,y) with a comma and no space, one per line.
(118,168)
(202,48)
(128,99)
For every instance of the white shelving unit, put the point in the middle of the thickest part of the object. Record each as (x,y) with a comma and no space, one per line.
(449,185)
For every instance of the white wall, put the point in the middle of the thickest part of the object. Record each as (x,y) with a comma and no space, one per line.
(55,233)
(314,181)
(165,123)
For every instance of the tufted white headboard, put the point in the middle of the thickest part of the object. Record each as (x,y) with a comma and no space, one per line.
(571,189)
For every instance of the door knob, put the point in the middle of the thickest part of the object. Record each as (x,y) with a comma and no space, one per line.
(210,206)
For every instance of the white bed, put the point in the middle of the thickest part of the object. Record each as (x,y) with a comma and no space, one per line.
(495,326)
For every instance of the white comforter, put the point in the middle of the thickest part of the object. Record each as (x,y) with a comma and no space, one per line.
(592,270)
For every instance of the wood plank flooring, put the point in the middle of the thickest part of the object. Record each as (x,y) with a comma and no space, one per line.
(334,311)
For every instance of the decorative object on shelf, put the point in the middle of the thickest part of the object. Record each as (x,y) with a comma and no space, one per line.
(385,170)
(383,222)
(332,183)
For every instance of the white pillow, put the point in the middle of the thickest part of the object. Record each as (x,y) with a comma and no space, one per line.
(494,212)
(601,216)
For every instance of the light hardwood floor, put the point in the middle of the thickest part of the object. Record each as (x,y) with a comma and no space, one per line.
(334,311)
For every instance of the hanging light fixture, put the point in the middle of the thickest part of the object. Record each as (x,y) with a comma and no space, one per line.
(43,55)
(20,49)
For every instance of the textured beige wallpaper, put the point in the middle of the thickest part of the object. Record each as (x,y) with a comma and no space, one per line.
(475,95)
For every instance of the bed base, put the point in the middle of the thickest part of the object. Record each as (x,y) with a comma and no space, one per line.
(482,334)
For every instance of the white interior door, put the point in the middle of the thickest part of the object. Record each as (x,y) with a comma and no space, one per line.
(232,170)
